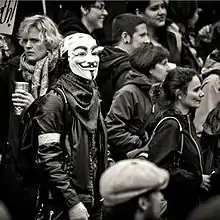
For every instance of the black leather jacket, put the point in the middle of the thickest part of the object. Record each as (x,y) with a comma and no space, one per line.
(65,152)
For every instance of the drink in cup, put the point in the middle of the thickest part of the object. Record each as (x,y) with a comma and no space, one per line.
(20,86)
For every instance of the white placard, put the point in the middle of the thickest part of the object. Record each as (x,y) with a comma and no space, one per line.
(7,15)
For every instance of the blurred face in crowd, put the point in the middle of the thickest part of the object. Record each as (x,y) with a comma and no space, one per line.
(83,56)
(96,15)
(159,72)
(194,94)
(151,206)
(139,37)
(195,17)
(156,13)
(34,46)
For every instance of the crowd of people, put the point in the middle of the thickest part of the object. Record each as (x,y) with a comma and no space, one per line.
(128,130)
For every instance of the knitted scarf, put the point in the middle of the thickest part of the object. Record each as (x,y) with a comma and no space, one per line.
(83,99)
(37,74)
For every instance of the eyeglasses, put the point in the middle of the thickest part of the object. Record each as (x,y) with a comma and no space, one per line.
(100,7)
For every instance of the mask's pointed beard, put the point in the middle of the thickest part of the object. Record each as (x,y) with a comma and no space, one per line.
(92,73)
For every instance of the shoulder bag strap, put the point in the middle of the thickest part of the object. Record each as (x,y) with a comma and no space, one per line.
(180,127)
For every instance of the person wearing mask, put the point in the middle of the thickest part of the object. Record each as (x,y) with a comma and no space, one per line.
(131,190)
(40,39)
(131,108)
(72,142)
(128,33)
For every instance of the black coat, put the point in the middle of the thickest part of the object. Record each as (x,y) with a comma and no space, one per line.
(9,74)
(129,115)
(12,192)
(113,68)
(67,163)
(71,24)
(182,193)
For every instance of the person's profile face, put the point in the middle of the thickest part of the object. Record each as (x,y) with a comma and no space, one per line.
(140,36)
(194,94)
(155,201)
(96,15)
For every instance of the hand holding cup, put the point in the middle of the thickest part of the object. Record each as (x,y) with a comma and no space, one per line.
(21,98)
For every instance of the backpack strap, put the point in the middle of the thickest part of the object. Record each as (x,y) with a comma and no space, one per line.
(66,118)
(62,94)
(143,152)
(66,106)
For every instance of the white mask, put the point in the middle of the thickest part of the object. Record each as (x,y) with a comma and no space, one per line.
(82,55)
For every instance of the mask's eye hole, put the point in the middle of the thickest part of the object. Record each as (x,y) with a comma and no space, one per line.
(79,52)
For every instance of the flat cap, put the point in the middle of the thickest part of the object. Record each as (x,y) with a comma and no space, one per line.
(130,178)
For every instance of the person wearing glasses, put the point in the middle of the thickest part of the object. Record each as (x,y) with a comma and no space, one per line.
(82,17)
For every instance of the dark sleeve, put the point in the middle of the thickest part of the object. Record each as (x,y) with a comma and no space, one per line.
(8,66)
(49,128)
(163,149)
(122,110)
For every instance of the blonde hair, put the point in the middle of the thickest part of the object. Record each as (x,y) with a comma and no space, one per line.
(45,26)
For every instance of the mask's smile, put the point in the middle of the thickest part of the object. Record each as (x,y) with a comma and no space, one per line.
(89,66)
(82,54)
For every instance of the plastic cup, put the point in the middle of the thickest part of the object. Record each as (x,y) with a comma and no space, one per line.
(20,86)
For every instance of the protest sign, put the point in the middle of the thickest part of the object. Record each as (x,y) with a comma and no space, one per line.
(7,15)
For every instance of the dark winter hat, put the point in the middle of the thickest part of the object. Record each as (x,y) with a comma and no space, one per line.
(130,178)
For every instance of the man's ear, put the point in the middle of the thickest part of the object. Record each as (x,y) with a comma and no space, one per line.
(126,37)
(143,203)
(84,10)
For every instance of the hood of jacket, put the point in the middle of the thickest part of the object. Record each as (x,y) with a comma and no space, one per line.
(113,58)
(140,80)
(71,24)
(212,63)
(83,99)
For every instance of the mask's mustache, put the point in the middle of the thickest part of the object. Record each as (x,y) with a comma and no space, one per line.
(90,65)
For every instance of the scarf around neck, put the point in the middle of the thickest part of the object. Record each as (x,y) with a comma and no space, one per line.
(83,99)
(37,74)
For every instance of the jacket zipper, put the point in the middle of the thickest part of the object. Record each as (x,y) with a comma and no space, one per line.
(200,157)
